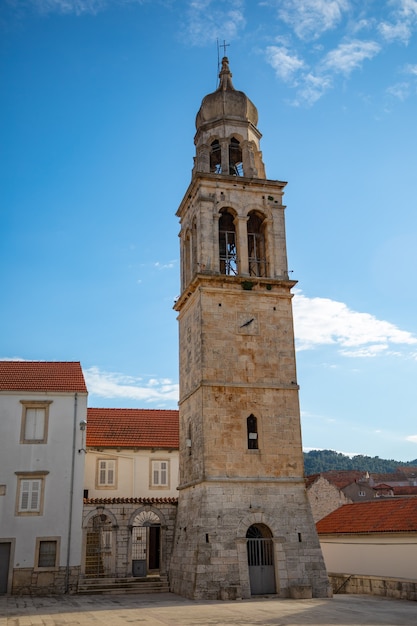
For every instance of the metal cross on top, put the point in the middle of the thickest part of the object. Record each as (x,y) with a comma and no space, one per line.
(224,45)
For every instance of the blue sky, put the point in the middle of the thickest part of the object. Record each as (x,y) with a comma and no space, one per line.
(98,104)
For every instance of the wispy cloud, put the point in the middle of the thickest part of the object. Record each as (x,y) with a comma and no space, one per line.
(161,391)
(71,7)
(401,21)
(208,20)
(311,18)
(321,321)
(285,64)
(412,438)
(349,56)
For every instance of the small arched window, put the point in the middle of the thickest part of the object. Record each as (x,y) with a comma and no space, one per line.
(256,246)
(252,427)
(215,157)
(235,158)
(227,244)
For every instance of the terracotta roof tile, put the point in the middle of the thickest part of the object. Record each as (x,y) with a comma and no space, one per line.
(42,376)
(132,428)
(339,478)
(376,516)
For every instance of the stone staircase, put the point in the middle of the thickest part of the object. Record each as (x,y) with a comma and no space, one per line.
(150,584)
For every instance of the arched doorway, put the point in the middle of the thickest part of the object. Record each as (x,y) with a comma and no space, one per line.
(260,559)
(146,544)
(98,556)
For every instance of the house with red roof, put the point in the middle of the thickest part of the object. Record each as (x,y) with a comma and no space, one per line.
(130,492)
(376,538)
(42,431)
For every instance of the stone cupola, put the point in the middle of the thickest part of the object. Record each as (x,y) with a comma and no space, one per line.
(227,138)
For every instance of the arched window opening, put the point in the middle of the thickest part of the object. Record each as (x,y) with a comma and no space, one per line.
(216,157)
(227,245)
(235,158)
(256,246)
(252,427)
(258,531)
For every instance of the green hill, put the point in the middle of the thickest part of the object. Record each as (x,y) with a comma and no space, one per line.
(317,461)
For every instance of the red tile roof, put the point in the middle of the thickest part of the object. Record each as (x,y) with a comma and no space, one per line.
(132,428)
(42,376)
(376,516)
(339,478)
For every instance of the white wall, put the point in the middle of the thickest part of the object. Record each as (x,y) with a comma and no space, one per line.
(132,474)
(385,554)
(55,457)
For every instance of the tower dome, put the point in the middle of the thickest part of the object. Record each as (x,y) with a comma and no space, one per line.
(226,103)
(227,138)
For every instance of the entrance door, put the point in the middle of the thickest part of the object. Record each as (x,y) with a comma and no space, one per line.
(146,544)
(5,549)
(260,560)
(139,551)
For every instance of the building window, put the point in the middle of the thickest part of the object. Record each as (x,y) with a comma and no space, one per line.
(30,493)
(252,428)
(35,419)
(256,246)
(235,158)
(159,473)
(215,157)
(227,245)
(47,553)
(106,473)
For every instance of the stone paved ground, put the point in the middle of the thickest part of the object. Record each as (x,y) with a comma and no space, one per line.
(171,610)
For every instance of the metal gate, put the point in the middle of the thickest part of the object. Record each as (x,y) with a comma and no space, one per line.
(145,549)
(98,547)
(139,551)
(261,565)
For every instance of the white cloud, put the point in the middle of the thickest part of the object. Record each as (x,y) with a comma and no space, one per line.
(412,438)
(321,321)
(399,31)
(310,18)
(208,20)
(313,88)
(411,69)
(284,63)
(348,56)
(400,91)
(117,385)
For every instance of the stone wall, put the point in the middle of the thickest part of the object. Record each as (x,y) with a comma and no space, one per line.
(28,581)
(325,498)
(400,589)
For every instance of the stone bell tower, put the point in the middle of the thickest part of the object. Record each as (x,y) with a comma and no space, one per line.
(244,525)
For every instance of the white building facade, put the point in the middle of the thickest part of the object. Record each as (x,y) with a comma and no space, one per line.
(42,428)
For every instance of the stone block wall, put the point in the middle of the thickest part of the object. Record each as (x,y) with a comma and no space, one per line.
(400,589)
(28,581)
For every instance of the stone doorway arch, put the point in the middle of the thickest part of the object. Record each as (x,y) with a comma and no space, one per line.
(260,552)
(146,544)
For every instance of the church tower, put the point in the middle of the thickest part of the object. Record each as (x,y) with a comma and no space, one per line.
(244,525)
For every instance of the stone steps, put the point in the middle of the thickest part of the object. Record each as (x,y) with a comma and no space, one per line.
(150,584)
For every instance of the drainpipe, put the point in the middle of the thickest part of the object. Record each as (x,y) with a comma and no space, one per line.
(74,432)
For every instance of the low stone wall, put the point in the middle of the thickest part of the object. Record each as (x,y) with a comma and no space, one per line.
(28,581)
(399,588)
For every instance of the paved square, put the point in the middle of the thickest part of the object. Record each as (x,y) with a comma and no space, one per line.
(172,610)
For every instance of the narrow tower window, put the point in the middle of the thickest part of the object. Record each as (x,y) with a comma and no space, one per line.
(256,246)
(235,158)
(227,245)
(216,157)
(252,425)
